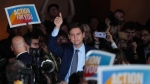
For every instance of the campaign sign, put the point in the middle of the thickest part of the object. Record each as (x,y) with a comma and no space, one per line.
(21,14)
(95,58)
(124,74)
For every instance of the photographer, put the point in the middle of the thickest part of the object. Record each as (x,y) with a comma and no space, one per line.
(43,62)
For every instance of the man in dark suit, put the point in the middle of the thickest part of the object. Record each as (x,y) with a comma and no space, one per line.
(19,48)
(67,51)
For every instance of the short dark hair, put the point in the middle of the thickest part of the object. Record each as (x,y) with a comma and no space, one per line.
(89,20)
(75,25)
(13,70)
(119,10)
(146,28)
(29,36)
(52,5)
(75,77)
(130,25)
(63,33)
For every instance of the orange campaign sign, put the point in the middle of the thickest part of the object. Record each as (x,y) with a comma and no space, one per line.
(21,14)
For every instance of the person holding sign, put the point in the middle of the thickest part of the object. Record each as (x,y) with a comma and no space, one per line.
(70,51)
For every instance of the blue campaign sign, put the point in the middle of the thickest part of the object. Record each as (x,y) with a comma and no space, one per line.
(95,58)
(21,14)
(124,74)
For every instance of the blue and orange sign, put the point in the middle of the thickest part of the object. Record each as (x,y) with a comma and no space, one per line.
(95,58)
(21,14)
(124,74)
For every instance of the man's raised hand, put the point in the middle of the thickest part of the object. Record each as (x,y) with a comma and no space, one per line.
(58,21)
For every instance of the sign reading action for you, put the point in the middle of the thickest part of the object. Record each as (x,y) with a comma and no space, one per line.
(21,14)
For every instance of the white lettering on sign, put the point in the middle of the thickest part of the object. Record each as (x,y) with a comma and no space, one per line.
(127,78)
(92,64)
(94,60)
(23,14)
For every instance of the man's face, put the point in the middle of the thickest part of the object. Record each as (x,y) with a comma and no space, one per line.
(122,44)
(61,39)
(145,36)
(76,36)
(120,16)
(34,43)
(53,12)
(130,34)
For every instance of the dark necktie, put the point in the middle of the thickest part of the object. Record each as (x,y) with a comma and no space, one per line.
(74,62)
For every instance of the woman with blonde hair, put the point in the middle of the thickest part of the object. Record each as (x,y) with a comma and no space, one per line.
(88,35)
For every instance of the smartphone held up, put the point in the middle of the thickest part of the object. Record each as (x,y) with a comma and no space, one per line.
(100,34)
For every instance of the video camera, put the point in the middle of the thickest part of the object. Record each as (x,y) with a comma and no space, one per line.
(42,65)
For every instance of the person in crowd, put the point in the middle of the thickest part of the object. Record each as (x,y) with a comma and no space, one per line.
(53,11)
(120,15)
(77,78)
(13,72)
(106,43)
(122,45)
(130,29)
(120,57)
(145,48)
(71,51)
(32,40)
(122,40)
(62,37)
(145,35)
(19,47)
(94,22)
(88,40)
(37,43)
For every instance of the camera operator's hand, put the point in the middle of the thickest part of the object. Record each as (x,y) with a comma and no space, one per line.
(58,21)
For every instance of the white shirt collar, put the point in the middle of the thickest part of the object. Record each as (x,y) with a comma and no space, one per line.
(80,49)
(21,53)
